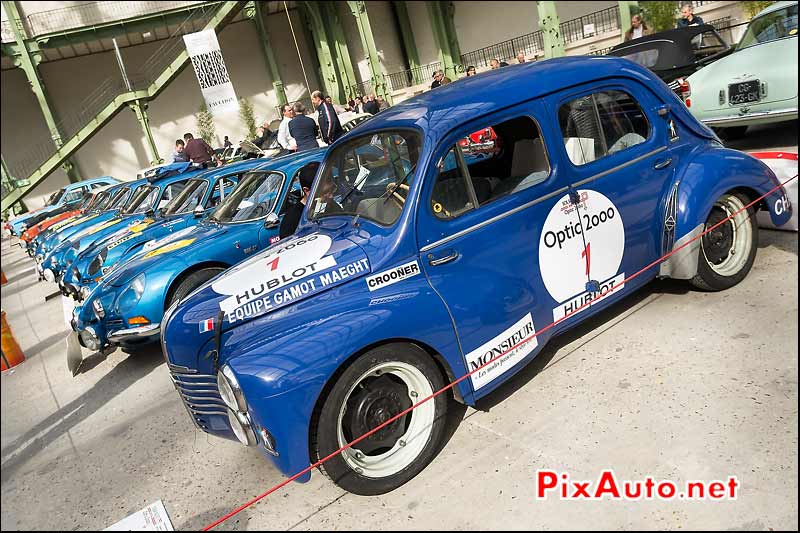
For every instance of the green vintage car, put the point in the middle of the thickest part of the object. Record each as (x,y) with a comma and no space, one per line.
(757,83)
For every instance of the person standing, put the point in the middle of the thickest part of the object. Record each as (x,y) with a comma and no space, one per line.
(371,106)
(291,219)
(226,143)
(520,57)
(688,18)
(285,139)
(179,156)
(471,71)
(303,129)
(199,151)
(638,28)
(329,124)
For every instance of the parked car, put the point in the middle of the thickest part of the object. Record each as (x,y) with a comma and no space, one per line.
(88,201)
(163,185)
(676,53)
(757,83)
(201,195)
(66,195)
(387,293)
(126,307)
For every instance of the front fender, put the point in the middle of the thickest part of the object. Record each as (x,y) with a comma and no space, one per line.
(285,360)
(709,175)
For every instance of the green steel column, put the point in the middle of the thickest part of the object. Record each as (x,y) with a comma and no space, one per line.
(140,110)
(344,64)
(359,10)
(331,82)
(253,11)
(28,60)
(440,36)
(551,29)
(10,184)
(407,33)
(627,9)
(449,11)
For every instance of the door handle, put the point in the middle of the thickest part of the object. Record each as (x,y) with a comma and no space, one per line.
(663,163)
(442,260)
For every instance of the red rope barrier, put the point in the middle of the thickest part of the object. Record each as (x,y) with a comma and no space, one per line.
(465,376)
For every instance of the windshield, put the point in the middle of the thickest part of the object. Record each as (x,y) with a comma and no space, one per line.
(118,200)
(254,197)
(770,27)
(95,201)
(142,201)
(188,199)
(369,176)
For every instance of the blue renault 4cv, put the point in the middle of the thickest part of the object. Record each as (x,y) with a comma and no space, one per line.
(394,286)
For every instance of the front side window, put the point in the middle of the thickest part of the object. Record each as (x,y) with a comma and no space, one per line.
(56,197)
(601,124)
(188,199)
(95,201)
(171,192)
(493,162)
(369,176)
(118,200)
(253,198)
(142,201)
(707,44)
(74,196)
(770,27)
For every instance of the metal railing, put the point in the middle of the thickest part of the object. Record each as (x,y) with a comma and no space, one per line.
(590,25)
(363,89)
(412,76)
(78,116)
(530,43)
(93,13)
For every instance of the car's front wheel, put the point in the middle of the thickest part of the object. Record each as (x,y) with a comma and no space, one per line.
(728,251)
(379,385)
(190,283)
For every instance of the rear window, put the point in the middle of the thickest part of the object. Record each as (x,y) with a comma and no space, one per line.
(770,27)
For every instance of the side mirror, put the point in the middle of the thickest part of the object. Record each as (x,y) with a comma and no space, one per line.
(150,212)
(199,211)
(272,221)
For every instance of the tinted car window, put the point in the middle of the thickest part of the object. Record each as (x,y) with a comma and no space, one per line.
(707,44)
(502,159)
(772,26)
(601,124)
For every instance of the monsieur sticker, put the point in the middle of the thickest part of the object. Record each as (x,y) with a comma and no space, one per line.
(510,346)
(391,276)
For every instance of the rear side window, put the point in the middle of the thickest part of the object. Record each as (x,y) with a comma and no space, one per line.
(601,124)
(492,162)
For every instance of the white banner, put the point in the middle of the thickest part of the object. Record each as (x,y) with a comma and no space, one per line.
(209,67)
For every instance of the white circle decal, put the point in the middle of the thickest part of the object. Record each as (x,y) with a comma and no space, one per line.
(580,243)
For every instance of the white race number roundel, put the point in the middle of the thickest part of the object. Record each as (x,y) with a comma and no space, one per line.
(580,243)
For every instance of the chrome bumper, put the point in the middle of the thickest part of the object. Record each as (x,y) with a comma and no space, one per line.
(783,114)
(140,331)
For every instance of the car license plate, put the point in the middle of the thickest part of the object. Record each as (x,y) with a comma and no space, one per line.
(744,92)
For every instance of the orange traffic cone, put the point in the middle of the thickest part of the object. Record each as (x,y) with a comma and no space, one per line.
(3,279)
(12,355)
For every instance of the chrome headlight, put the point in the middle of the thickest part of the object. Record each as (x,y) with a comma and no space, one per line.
(242,428)
(49,275)
(84,292)
(39,259)
(97,307)
(137,285)
(53,260)
(89,338)
(130,297)
(229,390)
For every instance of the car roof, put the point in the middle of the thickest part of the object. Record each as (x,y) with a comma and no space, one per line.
(440,110)
(777,6)
(287,162)
(89,182)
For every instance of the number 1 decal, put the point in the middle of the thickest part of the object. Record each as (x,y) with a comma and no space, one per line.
(587,254)
(273,264)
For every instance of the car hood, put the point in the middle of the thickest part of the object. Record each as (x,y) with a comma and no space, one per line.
(768,62)
(185,240)
(290,271)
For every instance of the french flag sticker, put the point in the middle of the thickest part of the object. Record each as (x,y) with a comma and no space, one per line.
(207,325)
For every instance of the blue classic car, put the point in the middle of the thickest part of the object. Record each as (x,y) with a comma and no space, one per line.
(70,194)
(164,184)
(388,292)
(199,197)
(127,306)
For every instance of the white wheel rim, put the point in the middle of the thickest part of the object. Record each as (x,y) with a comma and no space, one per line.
(742,237)
(417,434)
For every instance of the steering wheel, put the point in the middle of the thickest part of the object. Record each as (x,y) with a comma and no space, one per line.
(395,195)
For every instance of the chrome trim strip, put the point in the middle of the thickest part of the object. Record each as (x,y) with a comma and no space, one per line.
(501,216)
(141,331)
(619,167)
(787,113)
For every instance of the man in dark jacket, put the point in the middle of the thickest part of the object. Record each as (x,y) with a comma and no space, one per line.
(303,129)
(199,152)
(295,210)
(329,125)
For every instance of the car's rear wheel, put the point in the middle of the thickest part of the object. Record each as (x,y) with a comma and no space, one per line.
(727,252)
(191,282)
(379,385)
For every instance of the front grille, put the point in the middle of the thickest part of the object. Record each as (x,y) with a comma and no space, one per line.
(115,323)
(199,394)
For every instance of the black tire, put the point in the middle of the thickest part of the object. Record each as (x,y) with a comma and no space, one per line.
(190,283)
(731,134)
(378,399)
(716,246)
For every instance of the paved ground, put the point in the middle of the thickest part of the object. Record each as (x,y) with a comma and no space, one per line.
(671,383)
